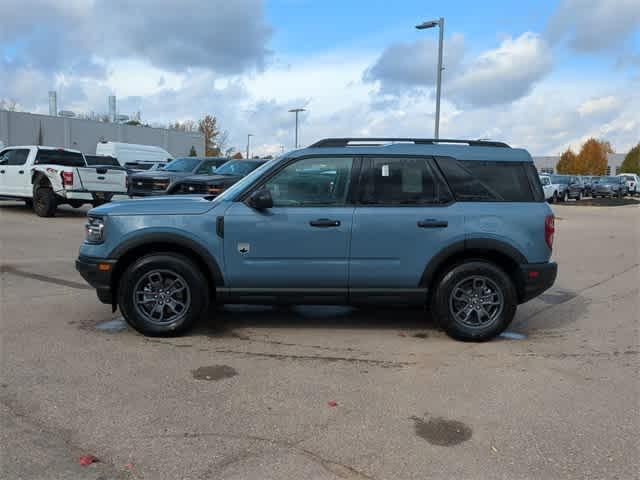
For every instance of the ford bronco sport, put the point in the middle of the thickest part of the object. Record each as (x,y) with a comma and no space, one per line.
(460,226)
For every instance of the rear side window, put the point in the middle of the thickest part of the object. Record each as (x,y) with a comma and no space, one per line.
(488,181)
(101,160)
(60,157)
(401,181)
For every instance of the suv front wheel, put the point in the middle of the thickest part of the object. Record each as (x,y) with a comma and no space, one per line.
(474,301)
(162,294)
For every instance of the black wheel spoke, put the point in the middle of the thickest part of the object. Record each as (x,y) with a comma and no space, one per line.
(162,297)
(476,301)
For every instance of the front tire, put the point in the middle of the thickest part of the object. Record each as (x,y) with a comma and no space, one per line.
(475,301)
(162,294)
(45,202)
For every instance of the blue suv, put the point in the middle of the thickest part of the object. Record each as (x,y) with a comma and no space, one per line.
(460,226)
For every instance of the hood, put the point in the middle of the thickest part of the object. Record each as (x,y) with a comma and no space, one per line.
(211,179)
(164,205)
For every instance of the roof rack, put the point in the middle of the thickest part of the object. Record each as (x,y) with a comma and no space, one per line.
(367,142)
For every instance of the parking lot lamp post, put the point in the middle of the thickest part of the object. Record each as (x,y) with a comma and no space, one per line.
(296,111)
(249,135)
(424,26)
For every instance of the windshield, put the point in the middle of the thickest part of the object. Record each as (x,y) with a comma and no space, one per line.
(182,165)
(545,180)
(560,179)
(237,167)
(609,180)
(249,179)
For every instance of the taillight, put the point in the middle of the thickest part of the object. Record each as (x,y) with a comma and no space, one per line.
(549,230)
(67,179)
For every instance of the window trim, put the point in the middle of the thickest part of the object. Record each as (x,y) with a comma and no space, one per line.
(15,150)
(438,176)
(354,178)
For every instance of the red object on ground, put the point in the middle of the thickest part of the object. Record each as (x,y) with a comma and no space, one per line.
(402,334)
(332,403)
(87,460)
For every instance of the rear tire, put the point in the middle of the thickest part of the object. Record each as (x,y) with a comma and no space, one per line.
(162,294)
(45,202)
(474,301)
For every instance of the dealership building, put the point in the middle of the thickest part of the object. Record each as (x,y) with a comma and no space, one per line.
(20,128)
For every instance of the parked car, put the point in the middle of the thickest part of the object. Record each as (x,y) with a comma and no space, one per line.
(217,182)
(45,177)
(133,153)
(547,187)
(609,187)
(576,188)
(633,182)
(561,187)
(163,181)
(393,222)
(588,183)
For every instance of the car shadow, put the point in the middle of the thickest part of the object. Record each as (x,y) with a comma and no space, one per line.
(223,320)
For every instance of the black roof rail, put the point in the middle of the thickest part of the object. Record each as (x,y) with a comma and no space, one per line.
(360,142)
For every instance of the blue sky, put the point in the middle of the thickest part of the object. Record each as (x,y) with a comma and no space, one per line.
(543,74)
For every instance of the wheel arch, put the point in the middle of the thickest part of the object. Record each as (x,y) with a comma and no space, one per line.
(141,245)
(504,255)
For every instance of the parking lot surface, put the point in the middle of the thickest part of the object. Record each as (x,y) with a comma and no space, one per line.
(321,392)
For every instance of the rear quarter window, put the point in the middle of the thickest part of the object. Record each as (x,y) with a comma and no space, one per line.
(60,157)
(492,181)
(101,160)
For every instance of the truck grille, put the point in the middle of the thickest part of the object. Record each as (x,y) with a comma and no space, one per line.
(149,184)
(194,188)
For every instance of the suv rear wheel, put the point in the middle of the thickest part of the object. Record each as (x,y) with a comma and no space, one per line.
(474,301)
(162,294)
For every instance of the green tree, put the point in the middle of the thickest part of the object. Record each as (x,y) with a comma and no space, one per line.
(135,123)
(192,152)
(567,162)
(631,163)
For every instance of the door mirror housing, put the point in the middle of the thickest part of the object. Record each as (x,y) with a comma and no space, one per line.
(260,199)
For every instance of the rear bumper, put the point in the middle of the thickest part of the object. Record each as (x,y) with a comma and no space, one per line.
(535,278)
(96,274)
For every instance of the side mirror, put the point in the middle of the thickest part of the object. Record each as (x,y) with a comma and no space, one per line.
(260,199)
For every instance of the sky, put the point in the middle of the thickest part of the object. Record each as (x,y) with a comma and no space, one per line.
(539,74)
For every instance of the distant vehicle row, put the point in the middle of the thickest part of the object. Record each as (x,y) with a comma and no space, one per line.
(560,188)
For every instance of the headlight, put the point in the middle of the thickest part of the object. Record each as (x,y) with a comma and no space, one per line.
(95,230)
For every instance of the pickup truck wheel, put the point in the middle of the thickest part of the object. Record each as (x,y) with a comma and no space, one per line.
(554,197)
(162,294)
(107,198)
(475,301)
(76,203)
(44,201)
(28,203)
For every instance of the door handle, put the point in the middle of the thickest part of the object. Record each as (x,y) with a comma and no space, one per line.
(324,223)
(20,172)
(433,223)
(1,171)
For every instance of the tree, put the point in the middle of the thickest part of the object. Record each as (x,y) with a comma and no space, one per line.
(135,123)
(208,126)
(592,159)
(192,152)
(567,162)
(631,163)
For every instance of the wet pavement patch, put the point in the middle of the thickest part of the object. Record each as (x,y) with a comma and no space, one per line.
(214,372)
(513,336)
(442,432)
(113,326)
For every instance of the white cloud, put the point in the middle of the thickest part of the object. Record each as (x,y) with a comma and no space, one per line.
(600,105)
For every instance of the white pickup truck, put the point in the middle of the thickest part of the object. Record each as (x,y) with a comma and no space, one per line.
(45,177)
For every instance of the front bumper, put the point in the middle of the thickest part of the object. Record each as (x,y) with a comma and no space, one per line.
(535,278)
(98,273)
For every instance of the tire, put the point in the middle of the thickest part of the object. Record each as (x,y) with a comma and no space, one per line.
(565,196)
(155,274)
(45,202)
(76,203)
(579,197)
(28,203)
(554,198)
(474,276)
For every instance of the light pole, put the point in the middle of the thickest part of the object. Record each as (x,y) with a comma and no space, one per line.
(297,111)
(249,135)
(424,26)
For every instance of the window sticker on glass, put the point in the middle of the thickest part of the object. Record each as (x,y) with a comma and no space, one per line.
(385,170)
